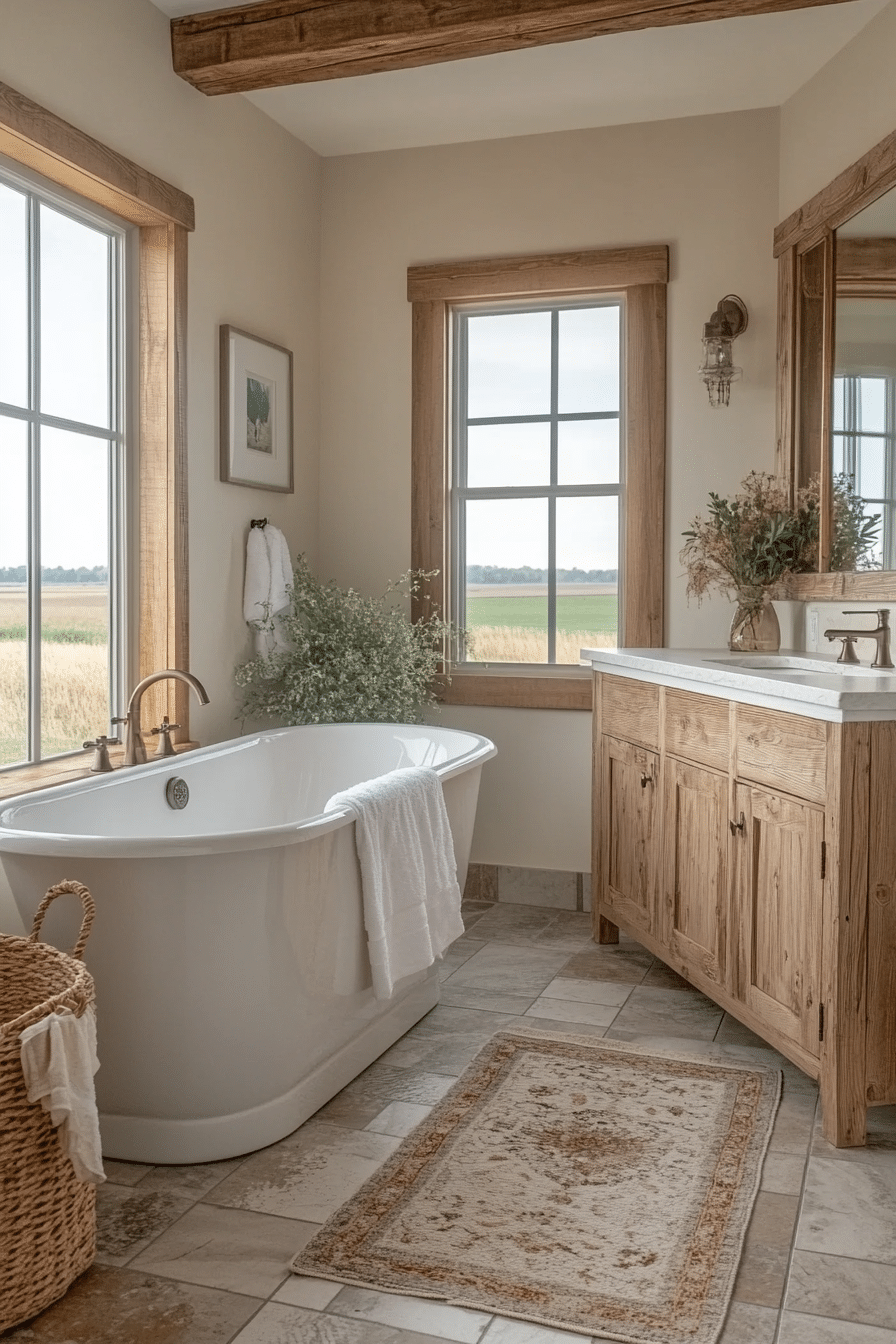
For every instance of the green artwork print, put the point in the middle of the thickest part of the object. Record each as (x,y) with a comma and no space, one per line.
(258,415)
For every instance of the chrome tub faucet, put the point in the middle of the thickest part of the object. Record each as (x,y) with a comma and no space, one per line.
(134,746)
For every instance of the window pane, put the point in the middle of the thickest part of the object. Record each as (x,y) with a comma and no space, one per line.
(876,554)
(509,369)
(74,315)
(589,359)
(838,449)
(13,592)
(74,590)
(839,384)
(588,452)
(587,551)
(507,602)
(871,468)
(872,408)
(13,297)
(508,455)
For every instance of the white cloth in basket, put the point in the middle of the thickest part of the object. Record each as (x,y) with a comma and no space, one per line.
(59,1061)
(408,872)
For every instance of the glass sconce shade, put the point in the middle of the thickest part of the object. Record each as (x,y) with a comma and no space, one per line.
(718,369)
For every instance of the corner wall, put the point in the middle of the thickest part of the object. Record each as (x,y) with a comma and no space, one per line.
(708,187)
(848,107)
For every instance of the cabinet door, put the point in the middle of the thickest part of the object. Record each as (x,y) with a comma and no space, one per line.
(628,836)
(780,883)
(695,883)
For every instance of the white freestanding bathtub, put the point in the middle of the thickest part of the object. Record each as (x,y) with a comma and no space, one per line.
(233,985)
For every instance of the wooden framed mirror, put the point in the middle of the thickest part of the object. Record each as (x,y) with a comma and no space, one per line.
(837,370)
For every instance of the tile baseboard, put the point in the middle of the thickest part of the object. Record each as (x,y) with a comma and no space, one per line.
(528,886)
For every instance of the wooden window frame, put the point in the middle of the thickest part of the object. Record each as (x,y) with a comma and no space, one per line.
(163,215)
(640,276)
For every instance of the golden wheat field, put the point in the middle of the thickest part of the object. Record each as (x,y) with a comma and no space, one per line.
(74,697)
(65,606)
(511,644)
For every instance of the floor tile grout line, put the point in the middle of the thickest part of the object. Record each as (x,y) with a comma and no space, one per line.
(245,1325)
(796,1224)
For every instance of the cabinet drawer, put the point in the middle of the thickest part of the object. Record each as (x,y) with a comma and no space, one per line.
(784,751)
(631,710)
(697,728)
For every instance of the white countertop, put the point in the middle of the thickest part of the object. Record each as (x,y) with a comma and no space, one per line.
(799,683)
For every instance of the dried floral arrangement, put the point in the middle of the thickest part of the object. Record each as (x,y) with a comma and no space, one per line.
(750,542)
(353,659)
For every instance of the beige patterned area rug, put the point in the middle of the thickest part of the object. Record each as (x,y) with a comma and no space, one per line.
(577,1183)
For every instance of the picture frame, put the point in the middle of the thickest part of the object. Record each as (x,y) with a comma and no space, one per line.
(256,411)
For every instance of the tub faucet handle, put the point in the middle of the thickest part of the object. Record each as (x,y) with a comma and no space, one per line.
(163,732)
(100,765)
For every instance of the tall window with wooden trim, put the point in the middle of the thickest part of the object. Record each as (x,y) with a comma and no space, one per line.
(62,407)
(538,464)
(63,467)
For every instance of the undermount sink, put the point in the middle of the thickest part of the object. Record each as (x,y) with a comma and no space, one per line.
(792,662)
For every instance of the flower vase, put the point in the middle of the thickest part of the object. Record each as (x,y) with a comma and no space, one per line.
(754,627)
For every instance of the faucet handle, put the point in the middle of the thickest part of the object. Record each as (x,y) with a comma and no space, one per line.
(163,732)
(848,652)
(100,765)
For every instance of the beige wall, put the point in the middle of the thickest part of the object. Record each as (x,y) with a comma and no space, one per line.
(707,187)
(105,66)
(836,117)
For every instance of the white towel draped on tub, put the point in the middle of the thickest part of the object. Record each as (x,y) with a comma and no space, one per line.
(59,1061)
(408,872)
(269,577)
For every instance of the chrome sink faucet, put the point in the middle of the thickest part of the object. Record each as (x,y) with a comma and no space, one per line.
(881,636)
(134,746)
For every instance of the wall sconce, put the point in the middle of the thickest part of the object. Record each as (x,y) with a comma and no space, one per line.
(718,369)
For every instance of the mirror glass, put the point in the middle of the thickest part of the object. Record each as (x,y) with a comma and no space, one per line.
(863,405)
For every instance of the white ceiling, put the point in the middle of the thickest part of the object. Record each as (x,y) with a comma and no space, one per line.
(728,65)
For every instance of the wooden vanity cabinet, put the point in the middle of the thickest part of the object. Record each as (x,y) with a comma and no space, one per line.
(779,900)
(695,915)
(629,821)
(754,851)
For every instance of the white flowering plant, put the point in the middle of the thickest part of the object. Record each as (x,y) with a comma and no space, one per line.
(353,659)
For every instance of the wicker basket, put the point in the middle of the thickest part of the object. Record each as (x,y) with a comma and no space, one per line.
(47,1216)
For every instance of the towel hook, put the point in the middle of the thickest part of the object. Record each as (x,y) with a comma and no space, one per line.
(258,522)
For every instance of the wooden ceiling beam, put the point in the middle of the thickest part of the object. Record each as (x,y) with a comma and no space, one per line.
(276,42)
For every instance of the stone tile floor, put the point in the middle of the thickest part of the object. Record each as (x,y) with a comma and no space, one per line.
(199,1255)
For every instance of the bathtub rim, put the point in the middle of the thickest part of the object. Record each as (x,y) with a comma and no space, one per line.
(77,846)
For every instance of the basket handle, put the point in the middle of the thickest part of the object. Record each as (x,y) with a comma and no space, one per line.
(87,903)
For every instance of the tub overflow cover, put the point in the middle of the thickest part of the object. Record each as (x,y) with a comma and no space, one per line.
(177,793)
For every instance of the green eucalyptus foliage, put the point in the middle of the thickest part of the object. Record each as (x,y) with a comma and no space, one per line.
(353,659)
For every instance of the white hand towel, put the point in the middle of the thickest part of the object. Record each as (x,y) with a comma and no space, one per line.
(408,872)
(282,577)
(59,1061)
(265,591)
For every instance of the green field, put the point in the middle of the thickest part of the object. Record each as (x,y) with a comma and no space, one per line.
(530,613)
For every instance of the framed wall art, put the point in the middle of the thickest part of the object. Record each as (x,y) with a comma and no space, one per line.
(256,412)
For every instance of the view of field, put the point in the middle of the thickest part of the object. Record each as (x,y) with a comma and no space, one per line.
(74,668)
(507,623)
